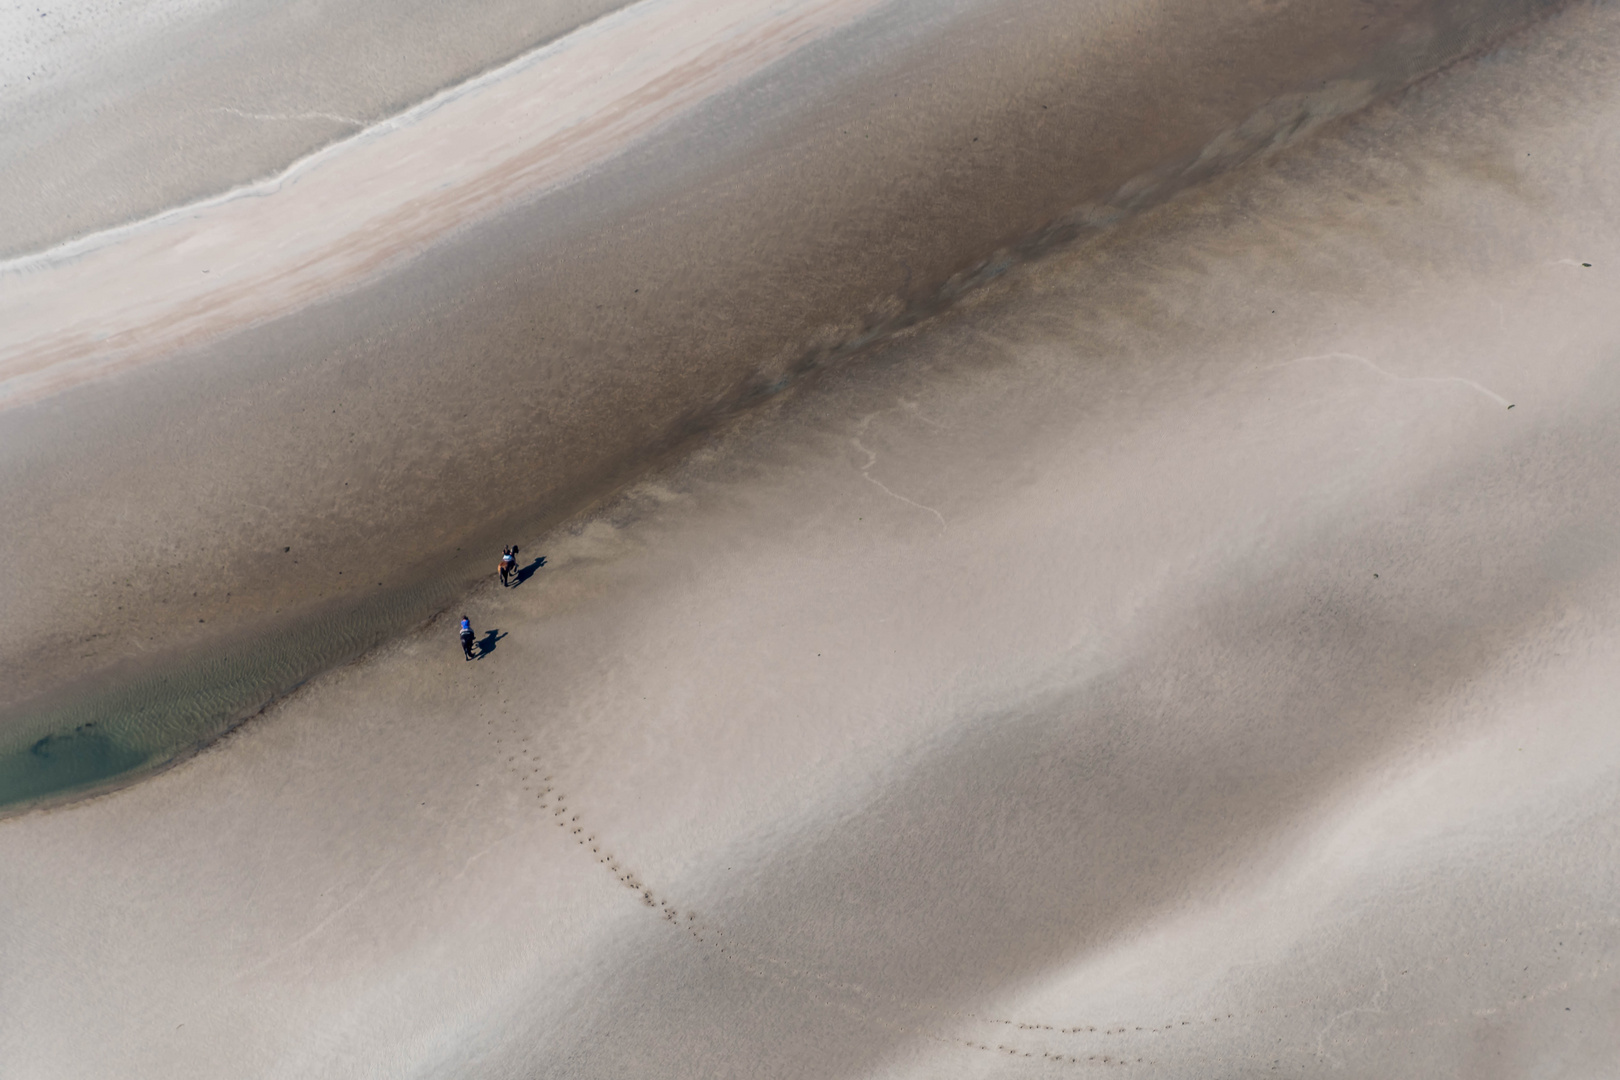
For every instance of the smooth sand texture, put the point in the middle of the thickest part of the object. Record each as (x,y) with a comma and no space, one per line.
(1178,661)
(252,509)
(118,109)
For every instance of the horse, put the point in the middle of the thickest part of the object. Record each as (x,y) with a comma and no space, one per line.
(508,564)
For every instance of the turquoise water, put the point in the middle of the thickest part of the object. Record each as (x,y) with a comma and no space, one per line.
(89,738)
(67,761)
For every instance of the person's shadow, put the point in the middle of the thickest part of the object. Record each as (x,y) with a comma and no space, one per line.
(527,572)
(487,644)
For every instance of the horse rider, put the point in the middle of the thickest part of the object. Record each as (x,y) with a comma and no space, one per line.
(467,636)
(508,563)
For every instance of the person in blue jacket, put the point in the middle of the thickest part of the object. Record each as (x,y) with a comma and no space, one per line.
(467,636)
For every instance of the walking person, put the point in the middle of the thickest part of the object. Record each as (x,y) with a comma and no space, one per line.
(467,636)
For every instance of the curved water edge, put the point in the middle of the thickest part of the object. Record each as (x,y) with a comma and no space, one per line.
(87,740)
(89,131)
(84,742)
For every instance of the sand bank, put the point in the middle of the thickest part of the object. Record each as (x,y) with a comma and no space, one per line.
(266,468)
(142,291)
(1178,661)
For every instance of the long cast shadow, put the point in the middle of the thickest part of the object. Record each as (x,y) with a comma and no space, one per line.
(486,644)
(527,572)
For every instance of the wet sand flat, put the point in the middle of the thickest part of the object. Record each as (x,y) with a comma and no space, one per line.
(249,504)
(1178,659)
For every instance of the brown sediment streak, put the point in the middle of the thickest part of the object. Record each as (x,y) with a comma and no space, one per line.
(344,214)
(182,278)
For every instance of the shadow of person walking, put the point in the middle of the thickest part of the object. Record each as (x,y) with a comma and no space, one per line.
(486,644)
(525,573)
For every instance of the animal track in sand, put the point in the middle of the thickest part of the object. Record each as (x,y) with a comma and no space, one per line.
(887,1011)
(828,993)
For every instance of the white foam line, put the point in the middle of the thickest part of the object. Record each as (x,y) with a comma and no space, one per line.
(871,460)
(290,117)
(302,939)
(271,184)
(1470,383)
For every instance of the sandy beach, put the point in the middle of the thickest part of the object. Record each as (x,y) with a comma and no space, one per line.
(429,336)
(1178,644)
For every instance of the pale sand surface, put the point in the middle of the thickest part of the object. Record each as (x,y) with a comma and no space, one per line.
(762,190)
(118,109)
(1031,676)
